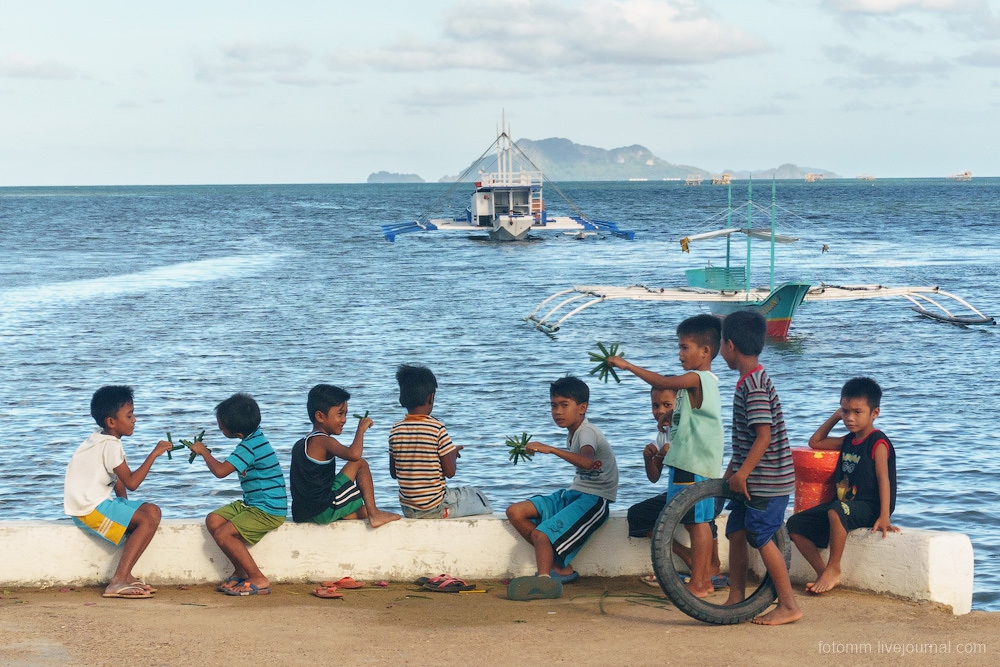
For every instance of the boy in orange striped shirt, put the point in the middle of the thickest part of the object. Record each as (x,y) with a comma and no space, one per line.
(422,455)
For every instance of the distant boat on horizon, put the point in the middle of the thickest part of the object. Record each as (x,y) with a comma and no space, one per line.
(963,176)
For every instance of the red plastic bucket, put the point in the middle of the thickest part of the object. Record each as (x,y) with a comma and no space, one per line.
(814,469)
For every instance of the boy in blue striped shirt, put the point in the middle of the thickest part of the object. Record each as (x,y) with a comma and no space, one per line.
(241,524)
(761,467)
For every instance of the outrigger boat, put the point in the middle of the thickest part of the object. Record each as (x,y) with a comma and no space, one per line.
(726,289)
(508,203)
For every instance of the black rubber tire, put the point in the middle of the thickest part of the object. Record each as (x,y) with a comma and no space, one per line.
(663,561)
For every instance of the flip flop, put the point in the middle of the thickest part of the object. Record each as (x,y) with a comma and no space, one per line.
(430,580)
(565,578)
(449,585)
(140,582)
(650,580)
(344,582)
(129,592)
(245,589)
(533,588)
(223,587)
(328,593)
(720,581)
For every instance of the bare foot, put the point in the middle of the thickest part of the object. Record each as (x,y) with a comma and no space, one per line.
(700,591)
(826,581)
(733,598)
(779,616)
(381,518)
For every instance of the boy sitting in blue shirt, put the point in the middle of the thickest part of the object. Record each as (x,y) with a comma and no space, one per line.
(559,524)
(241,524)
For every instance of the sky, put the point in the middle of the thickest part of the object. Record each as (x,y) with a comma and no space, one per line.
(114,93)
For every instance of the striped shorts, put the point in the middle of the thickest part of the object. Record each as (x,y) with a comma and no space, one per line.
(568,518)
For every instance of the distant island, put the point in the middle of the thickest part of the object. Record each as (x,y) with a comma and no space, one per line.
(387,177)
(563,160)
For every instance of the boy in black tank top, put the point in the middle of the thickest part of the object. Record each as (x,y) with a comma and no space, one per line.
(866,484)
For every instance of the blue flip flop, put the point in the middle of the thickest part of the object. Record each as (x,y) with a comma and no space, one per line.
(240,591)
(222,588)
(534,588)
(565,578)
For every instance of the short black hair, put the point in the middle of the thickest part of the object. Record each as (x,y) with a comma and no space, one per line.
(416,385)
(747,329)
(239,414)
(107,401)
(863,387)
(570,387)
(704,329)
(322,397)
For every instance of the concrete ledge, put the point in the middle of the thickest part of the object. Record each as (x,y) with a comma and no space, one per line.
(914,564)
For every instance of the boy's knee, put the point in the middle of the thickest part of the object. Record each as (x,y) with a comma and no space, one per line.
(148,513)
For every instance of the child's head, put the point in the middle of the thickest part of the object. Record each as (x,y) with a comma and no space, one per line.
(663,401)
(860,399)
(114,403)
(320,404)
(417,385)
(238,415)
(322,397)
(569,397)
(698,341)
(747,330)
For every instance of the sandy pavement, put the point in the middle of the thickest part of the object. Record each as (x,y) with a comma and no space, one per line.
(597,622)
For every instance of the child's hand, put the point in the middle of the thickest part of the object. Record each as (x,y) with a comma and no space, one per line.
(162,447)
(458,451)
(738,484)
(365,424)
(885,526)
(617,361)
(539,448)
(198,447)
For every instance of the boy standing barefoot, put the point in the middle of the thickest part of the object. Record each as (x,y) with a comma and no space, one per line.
(761,467)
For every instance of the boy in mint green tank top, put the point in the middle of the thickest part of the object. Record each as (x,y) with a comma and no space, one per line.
(695,452)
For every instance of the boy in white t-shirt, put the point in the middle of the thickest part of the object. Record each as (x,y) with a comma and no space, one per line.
(97,472)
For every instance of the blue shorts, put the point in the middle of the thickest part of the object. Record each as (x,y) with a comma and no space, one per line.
(761,518)
(110,519)
(568,518)
(677,481)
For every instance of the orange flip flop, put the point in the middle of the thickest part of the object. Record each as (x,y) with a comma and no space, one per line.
(344,582)
(327,593)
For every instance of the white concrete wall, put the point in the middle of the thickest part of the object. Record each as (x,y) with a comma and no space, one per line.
(914,564)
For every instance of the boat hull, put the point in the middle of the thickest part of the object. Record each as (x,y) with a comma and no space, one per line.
(778,308)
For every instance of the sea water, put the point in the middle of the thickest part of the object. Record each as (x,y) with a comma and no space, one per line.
(190,294)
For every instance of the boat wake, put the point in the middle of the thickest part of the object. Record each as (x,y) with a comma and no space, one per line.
(22,303)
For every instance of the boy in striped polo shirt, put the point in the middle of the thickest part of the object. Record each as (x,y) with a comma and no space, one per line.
(761,467)
(422,455)
(241,524)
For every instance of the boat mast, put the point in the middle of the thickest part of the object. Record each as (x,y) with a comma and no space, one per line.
(773,213)
(749,230)
(729,225)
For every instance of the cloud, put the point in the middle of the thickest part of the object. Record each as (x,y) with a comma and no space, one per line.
(880,71)
(883,7)
(253,63)
(548,35)
(976,19)
(18,66)
(982,58)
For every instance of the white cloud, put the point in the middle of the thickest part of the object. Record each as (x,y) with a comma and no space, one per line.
(876,7)
(17,66)
(879,70)
(252,63)
(528,35)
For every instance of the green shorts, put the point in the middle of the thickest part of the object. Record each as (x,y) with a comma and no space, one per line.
(251,523)
(346,500)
